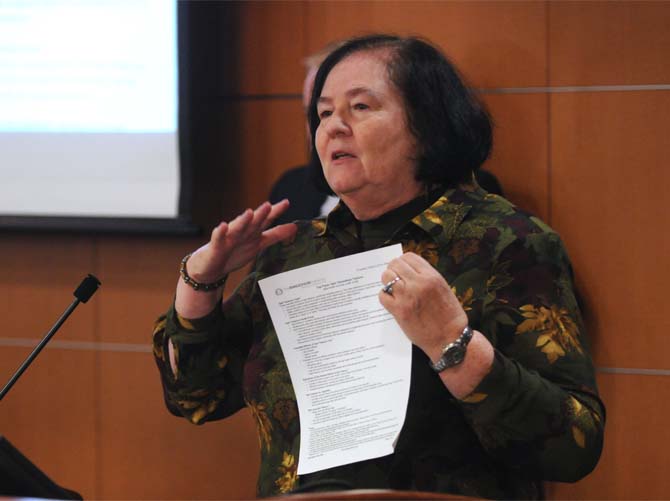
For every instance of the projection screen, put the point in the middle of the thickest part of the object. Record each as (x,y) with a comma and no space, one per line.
(89,108)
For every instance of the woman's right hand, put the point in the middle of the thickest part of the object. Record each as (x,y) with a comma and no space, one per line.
(231,246)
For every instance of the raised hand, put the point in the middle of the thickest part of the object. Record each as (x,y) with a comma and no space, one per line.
(234,244)
(231,246)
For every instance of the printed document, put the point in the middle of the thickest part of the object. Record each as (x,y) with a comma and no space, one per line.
(348,359)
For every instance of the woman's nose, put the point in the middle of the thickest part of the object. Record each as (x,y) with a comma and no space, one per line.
(337,125)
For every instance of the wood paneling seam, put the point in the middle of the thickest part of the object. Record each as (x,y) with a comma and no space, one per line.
(146,348)
(79,345)
(635,372)
(574,89)
(491,90)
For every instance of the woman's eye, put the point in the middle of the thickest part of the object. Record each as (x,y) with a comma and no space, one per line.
(325,113)
(361,106)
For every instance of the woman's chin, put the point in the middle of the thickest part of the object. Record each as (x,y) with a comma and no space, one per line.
(342,188)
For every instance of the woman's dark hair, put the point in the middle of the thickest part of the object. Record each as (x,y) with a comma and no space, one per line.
(452,127)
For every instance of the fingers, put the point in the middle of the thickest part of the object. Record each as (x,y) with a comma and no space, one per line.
(402,268)
(237,227)
(407,266)
(257,223)
(386,298)
(263,217)
(277,234)
(392,283)
(252,223)
(416,277)
(219,234)
(276,210)
(394,278)
(249,224)
(418,264)
(411,267)
(387,275)
(398,268)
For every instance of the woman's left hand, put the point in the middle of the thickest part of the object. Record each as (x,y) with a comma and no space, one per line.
(431,316)
(423,303)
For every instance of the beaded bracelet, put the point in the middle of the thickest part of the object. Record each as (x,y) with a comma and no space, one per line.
(197,285)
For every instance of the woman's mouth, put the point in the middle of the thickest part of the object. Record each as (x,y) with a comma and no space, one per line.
(338,155)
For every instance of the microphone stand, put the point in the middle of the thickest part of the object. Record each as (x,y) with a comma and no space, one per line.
(82,294)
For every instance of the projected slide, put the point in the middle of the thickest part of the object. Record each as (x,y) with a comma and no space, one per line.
(88,108)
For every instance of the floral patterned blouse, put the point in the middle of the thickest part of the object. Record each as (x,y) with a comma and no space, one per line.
(536,416)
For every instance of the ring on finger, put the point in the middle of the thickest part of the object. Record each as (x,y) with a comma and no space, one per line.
(388,288)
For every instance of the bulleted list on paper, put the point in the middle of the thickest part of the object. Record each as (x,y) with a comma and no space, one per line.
(349,361)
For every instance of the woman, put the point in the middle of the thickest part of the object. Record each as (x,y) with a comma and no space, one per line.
(502,394)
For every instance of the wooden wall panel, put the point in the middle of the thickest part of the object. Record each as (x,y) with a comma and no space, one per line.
(39,275)
(147,453)
(495,44)
(609,43)
(50,413)
(239,48)
(635,452)
(272,136)
(520,151)
(608,175)
(271,47)
(139,276)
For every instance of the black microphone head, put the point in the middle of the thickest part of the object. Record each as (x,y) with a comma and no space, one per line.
(87,288)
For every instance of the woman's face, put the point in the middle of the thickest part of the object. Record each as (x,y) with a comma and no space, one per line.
(363,142)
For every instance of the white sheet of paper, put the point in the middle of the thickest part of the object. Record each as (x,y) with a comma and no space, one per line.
(349,361)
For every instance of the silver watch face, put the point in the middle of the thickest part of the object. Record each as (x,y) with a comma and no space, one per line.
(454,355)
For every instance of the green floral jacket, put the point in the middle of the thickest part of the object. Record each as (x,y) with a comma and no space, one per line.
(536,416)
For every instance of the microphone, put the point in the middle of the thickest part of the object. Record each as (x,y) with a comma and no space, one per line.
(82,294)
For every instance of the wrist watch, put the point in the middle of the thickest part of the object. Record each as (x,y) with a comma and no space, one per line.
(454,353)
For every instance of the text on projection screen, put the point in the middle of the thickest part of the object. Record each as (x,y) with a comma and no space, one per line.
(88,108)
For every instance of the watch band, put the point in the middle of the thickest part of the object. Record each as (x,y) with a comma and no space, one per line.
(454,353)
